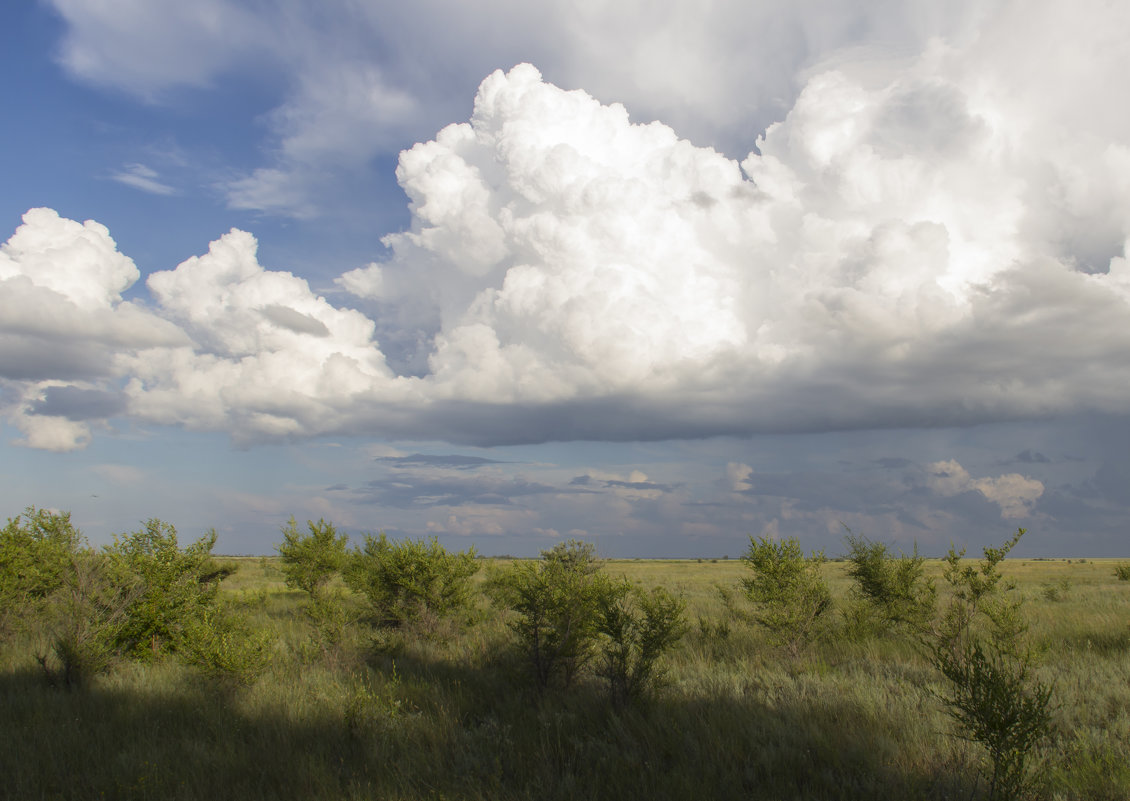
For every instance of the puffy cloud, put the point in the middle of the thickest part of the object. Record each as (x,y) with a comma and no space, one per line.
(49,432)
(844,280)
(1013,493)
(80,262)
(738,476)
(63,323)
(364,282)
(920,242)
(270,358)
(360,79)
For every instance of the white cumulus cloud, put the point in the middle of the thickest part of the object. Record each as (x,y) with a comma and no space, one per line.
(1013,493)
(921,241)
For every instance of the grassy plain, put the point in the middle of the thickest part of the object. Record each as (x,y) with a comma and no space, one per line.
(448,713)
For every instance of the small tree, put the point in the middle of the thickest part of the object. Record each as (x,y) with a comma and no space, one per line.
(894,586)
(81,620)
(406,580)
(556,601)
(174,586)
(789,590)
(36,552)
(310,561)
(638,627)
(979,647)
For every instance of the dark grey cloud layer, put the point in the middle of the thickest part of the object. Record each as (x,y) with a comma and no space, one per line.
(79,404)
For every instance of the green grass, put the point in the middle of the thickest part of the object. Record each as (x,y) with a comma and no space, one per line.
(448,714)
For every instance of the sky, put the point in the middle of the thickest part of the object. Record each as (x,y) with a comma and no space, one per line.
(661,276)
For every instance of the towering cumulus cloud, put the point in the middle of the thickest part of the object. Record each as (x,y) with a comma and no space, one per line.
(913,244)
(63,325)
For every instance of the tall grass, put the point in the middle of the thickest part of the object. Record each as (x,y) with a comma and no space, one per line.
(448,712)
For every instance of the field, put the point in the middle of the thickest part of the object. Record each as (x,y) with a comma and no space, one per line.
(447,712)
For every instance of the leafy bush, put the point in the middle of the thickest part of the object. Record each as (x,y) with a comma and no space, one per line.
(789,590)
(222,644)
(556,601)
(1122,571)
(983,603)
(980,650)
(1055,590)
(406,580)
(80,621)
(36,549)
(309,562)
(894,586)
(638,628)
(997,704)
(174,586)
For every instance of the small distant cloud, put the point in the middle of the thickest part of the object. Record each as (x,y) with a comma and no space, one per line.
(270,191)
(119,473)
(1013,493)
(364,282)
(452,461)
(737,475)
(144,178)
(635,482)
(1031,457)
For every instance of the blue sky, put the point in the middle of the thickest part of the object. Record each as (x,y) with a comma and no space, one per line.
(654,276)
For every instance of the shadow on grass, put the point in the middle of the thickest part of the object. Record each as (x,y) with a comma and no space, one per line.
(449,732)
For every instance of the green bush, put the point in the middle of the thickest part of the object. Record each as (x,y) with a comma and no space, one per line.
(982,602)
(310,561)
(999,705)
(411,579)
(638,628)
(222,644)
(791,595)
(1055,590)
(895,587)
(1122,571)
(36,549)
(556,601)
(980,649)
(174,586)
(79,623)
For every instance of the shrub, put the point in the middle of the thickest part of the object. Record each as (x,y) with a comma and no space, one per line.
(222,644)
(1055,591)
(638,628)
(1122,571)
(174,586)
(998,705)
(36,549)
(408,579)
(983,603)
(310,561)
(991,694)
(789,590)
(330,620)
(80,621)
(556,601)
(894,586)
